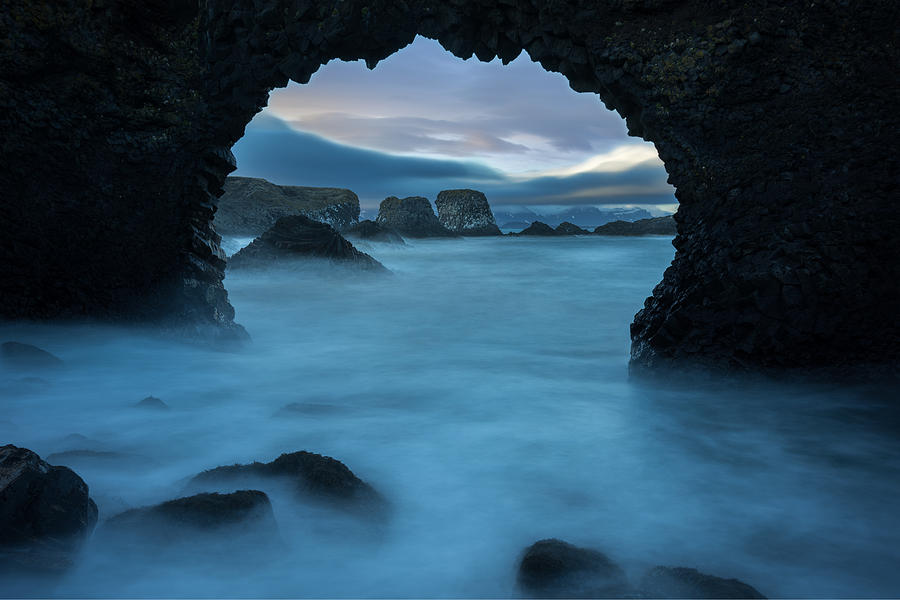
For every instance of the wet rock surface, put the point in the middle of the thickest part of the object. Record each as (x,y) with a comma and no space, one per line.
(299,237)
(466,212)
(250,206)
(371,231)
(682,582)
(28,357)
(555,569)
(771,119)
(655,226)
(538,228)
(411,217)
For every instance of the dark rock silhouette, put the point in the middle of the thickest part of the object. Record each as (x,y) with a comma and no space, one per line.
(26,356)
(411,217)
(538,228)
(466,212)
(371,231)
(566,228)
(681,582)
(250,206)
(152,403)
(299,237)
(655,226)
(555,569)
(746,103)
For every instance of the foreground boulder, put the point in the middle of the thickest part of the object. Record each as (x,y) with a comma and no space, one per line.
(313,476)
(45,512)
(566,228)
(26,356)
(555,569)
(656,226)
(244,513)
(411,217)
(466,212)
(371,231)
(250,206)
(299,237)
(681,582)
(538,228)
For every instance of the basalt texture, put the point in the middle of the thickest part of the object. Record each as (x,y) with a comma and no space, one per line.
(250,206)
(466,212)
(411,217)
(776,123)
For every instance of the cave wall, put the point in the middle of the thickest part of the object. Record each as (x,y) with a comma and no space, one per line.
(775,123)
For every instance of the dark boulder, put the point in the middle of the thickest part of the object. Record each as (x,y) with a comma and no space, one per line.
(682,582)
(555,569)
(45,513)
(411,217)
(656,226)
(538,228)
(152,403)
(371,231)
(26,356)
(313,476)
(466,212)
(299,237)
(566,228)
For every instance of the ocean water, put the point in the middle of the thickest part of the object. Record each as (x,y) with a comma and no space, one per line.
(483,389)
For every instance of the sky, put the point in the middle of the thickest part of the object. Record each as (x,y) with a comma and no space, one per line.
(423,121)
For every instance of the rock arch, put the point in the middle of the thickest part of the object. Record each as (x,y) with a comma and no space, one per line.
(775,123)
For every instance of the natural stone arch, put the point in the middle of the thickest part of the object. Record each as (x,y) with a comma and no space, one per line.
(786,253)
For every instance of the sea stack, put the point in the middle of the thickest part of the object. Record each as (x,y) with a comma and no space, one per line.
(466,212)
(411,217)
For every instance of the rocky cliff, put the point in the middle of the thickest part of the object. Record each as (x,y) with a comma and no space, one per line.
(411,217)
(772,119)
(466,212)
(655,226)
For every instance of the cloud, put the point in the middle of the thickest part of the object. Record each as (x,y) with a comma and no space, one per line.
(271,149)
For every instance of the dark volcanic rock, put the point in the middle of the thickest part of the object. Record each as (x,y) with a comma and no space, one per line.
(152,403)
(466,212)
(299,237)
(45,513)
(26,356)
(555,569)
(771,118)
(371,231)
(538,228)
(681,582)
(566,228)
(655,226)
(411,217)
(250,206)
(314,476)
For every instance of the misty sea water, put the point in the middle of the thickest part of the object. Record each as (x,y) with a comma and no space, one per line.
(483,389)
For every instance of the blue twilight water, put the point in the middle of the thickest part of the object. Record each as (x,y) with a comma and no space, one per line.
(483,389)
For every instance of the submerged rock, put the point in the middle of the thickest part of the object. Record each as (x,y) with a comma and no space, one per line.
(371,231)
(682,582)
(26,356)
(314,476)
(466,212)
(566,228)
(300,237)
(152,403)
(45,513)
(537,228)
(250,206)
(656,226)
(411,217)
(555,569)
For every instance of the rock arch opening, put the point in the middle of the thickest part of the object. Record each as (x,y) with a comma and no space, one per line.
(772,122)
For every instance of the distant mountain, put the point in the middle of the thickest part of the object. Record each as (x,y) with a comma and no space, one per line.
(583,216)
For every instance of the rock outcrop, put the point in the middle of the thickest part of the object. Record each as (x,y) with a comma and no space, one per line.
(251,206)
(466,212)
(45,512)
(28,357)
(771,118)
(655,226)
(370,231)
(682,582)
(411,217)
(538,228)
(555,569)
(296,238)
(566,228)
